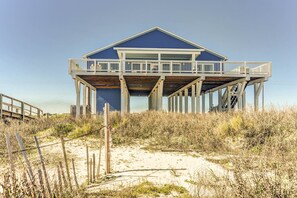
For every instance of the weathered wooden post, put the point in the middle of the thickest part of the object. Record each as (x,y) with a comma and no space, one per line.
(88,171)
(11,162)
(23,110)
(22,147)
(74,174)
(99,158)
(107,138)
(43,166)
(66,162)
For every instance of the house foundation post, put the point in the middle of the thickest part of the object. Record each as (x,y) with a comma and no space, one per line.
(180,102)
(198,92)
(210,101)
(229,94)
(176,103)
(220,100)
(77,89)
(160,95)
(186,100)
(203,102)
(193,99)
(257,89)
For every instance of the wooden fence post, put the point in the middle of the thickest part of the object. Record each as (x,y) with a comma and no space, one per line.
(91,172)
(60,180)
(88,171)
(41,183)
(94,167)
(74,174)
(43,166)
(1,106)
(66,162)
(22,147)
(99,159)
(63,175)
(11,162)
(107,138)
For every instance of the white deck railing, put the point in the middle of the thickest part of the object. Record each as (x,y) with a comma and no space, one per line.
(97,66)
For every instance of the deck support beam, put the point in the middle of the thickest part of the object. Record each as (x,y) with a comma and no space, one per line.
(220,100)
(258,87)
(180,102)
(210,101)
(198,92)
(203,102)
(193,99)
(156,95)
(77,89)
(186,100)
(84,101)
(176,103)
(125,96)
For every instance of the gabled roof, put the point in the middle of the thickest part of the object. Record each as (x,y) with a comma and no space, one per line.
(151,30)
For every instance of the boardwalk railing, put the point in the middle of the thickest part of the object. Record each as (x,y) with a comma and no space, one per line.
(213,68)
(14,108)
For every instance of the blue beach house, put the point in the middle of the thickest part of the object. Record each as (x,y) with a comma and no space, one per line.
(157,63)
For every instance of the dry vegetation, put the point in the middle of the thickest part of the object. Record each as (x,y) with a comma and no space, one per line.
(263,145)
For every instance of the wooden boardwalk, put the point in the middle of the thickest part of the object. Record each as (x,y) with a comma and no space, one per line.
(17,109)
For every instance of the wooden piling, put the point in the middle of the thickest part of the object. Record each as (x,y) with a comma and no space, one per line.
(91,172)
(99,158)
(94,167)
(11,161)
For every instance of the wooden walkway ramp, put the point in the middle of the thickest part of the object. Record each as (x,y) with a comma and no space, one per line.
(17,109)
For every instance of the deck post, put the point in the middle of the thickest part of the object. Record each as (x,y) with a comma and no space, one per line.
(84,100)
(193,99)
(169,104)
(203,102)
(160,95)
(176,103)
(257,89)
(77,88)
(198,92)
(210,100)
(241,87)
(263,97)
(180,102)
(229,94)
(95,102)
(186,100)
(220,100)
(244,100)
(23,110)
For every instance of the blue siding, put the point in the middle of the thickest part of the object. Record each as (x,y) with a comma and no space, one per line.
(157,39)
(153,39)
(206,56)
(111,96)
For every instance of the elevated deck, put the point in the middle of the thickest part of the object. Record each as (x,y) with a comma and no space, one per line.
(142,75)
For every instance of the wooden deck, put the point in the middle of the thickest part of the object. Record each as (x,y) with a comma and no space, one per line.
(17,109)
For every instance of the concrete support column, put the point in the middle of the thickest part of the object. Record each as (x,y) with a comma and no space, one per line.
(186,100)
(220,100)
(210,101)
(193,99)
(244,100)
(203,102)
(198,91)
(181,102)
(77,89)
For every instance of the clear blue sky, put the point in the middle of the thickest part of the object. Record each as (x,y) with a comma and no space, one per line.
(37,38)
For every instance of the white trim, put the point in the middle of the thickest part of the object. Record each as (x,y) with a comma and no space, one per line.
(150,30)
(158,49)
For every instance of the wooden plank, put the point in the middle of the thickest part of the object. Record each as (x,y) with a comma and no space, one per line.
(66,162)
(107,138)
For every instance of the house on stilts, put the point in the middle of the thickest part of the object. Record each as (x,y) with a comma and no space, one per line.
(156,64)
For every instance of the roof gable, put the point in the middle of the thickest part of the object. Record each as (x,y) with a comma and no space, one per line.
(152,38)
(156,39)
